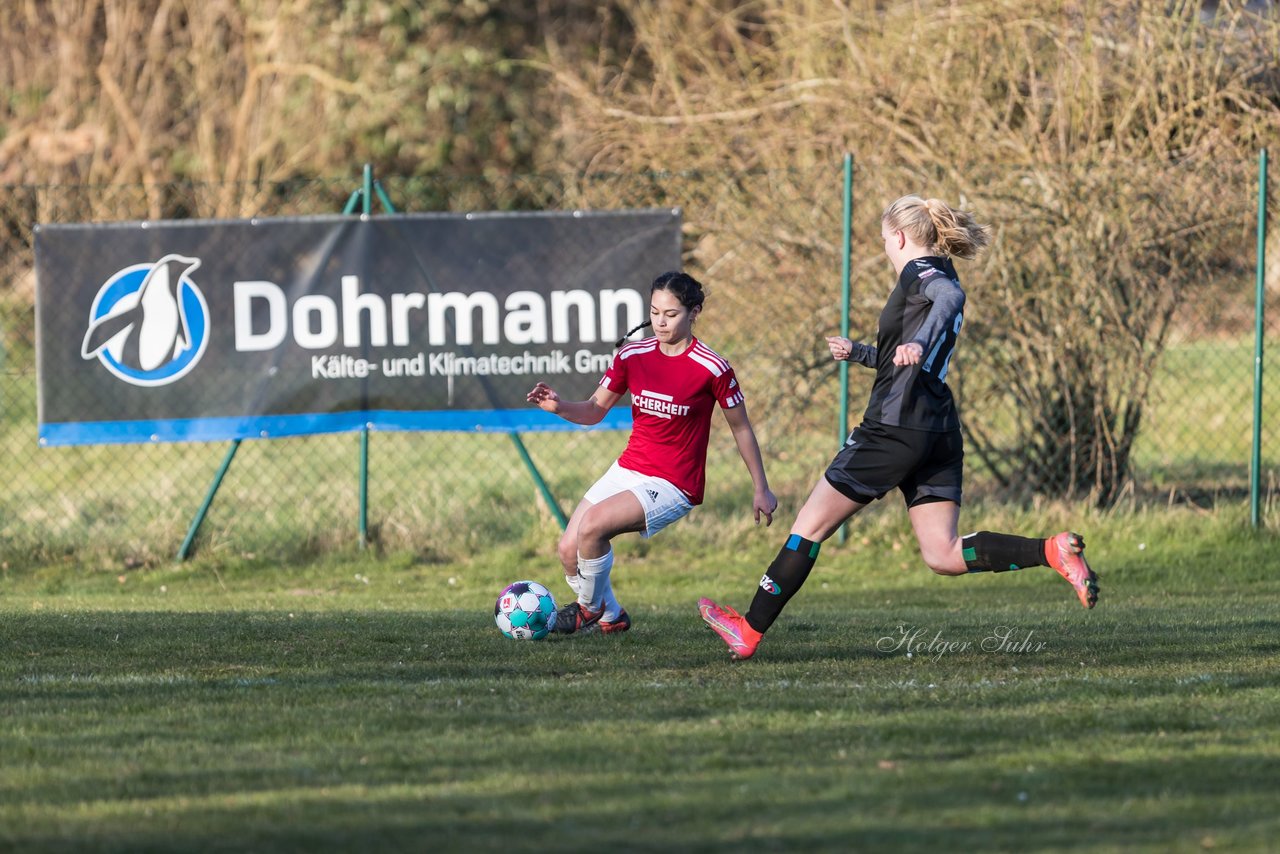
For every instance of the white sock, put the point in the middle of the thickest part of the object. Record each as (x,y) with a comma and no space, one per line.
(612,610)
(572,581)
(594,589)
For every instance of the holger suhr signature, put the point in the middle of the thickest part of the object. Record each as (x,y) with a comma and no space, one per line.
(916,640)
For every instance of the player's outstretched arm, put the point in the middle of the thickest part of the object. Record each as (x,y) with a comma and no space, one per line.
(586,412)
(845,350)
(744,436)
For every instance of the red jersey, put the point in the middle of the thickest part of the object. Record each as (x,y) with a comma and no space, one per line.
(671,402)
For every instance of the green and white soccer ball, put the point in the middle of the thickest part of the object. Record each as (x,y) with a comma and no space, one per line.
(525,610)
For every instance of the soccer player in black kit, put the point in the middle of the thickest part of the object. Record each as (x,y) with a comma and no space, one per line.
(909,437)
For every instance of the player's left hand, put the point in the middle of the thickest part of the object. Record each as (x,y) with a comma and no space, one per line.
(765,502)
(908,354)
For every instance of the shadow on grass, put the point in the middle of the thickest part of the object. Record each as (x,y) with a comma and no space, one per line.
(410,730)
(1167,803)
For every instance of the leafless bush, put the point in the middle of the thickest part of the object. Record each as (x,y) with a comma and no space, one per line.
(246,94)
(1091,135)
(1088,134)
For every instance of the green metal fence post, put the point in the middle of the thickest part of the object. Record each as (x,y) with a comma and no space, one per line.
(1255,465)
(366,208)
(845,289)
(383,197)
(352,201)
(185,550)
(363,198)
(543,489)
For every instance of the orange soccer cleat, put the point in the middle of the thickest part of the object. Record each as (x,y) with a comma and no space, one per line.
(1065,553)
(732,628)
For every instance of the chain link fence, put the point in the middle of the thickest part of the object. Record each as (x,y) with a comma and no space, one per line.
(1107,356)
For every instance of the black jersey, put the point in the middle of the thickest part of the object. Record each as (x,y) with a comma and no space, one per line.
(927,308)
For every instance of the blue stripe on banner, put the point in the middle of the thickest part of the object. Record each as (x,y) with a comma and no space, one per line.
(277,426)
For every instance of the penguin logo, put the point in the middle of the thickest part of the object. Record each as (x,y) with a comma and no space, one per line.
(149,323)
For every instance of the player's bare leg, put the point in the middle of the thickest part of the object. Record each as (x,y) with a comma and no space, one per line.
(825,511)
(946,553)
(595,527)
(567,548)
(935,526)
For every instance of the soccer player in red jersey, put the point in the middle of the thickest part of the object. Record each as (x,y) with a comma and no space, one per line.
(675,382)
(909,438)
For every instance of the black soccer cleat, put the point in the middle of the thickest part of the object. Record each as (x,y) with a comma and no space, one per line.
(573,617)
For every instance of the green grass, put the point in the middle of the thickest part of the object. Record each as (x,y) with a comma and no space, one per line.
(365,704)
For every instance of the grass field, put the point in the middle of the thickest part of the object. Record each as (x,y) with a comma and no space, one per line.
(371,705)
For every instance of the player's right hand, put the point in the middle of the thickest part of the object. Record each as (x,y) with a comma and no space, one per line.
(544,397)
(840,347)
(766,503)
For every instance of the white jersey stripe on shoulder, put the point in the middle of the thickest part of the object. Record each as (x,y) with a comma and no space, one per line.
(636,350)
(711,366)
(704,350)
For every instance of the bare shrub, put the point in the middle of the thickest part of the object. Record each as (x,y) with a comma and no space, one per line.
(246,94)
(1096,138)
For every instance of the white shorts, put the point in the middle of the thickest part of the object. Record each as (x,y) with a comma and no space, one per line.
(663,503)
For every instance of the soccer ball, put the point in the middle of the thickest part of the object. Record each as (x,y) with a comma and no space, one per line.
(525,610)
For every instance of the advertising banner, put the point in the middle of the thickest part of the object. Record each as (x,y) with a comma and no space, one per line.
(210,330)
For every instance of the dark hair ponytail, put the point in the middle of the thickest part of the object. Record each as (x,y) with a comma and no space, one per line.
(684,287)
(634,330)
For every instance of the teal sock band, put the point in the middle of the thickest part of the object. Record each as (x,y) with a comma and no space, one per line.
(781,581)
(796,543)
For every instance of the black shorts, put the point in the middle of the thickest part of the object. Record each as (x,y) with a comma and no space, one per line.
(876,458)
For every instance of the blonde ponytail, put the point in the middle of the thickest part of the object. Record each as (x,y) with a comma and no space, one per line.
(934,224)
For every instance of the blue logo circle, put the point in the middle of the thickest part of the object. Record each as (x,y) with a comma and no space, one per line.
(193,320)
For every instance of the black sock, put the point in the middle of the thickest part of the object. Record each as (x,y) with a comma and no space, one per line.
(989,552)
(782,580)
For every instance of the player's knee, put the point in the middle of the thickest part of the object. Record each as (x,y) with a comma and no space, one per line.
(945,569)
(568,551)
(591,529)
(816,530)
(942,561)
